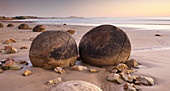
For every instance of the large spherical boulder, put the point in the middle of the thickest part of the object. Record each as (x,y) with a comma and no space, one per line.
(1,25)
(75,85)
(105,45)
(10,25)
(52,49)
(39,28)
(23,26)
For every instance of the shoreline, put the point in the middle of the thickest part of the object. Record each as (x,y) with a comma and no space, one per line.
(155,63)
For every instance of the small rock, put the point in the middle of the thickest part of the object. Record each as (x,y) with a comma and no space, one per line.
(126,77)
(131,63)
(64,24)
(31,39)
(23,62)
(130,87)
(1,71)
(11,64)
(122,67)
(4,60)
(54,81)
(7,42)
(1,25)
(24,47)
(59,70)
(112,69)
(157,35)
(10,41)
(71,31)
(113,77)
(13,40)
(9,50)
(27,72)
(93,71)
(10,25)
(145,81)
(78,68)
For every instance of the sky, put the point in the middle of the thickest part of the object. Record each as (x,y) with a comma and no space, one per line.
(85,8)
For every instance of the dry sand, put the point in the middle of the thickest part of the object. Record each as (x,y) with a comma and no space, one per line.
(149,50)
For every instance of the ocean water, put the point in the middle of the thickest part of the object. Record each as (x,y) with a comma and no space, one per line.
(152,23)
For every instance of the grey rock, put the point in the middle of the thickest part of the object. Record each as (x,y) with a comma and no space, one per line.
(105,45)
(52,49)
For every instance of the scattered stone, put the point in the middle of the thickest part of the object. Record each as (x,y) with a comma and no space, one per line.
(52,49)
(122,67)
(126,77)
(7,42)
(24,47)
(114,77)
(105,45)
(39,28)
(12,65)
(71,31)
(27,72)
(9,50)
(59,70)
(4,60)
(145,81)
(54,81)
(112,69)
(1,71)
(93,71)
(31,39)
(130,87)
(23,62)
(79,68)
(1,25)
(75,85)
(23,26)
(10,25)
(131,63)
(157,35)
(10,41)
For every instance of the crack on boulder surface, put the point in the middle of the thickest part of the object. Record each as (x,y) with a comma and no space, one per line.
(121,49)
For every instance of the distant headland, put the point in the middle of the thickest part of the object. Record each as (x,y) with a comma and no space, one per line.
(34,17)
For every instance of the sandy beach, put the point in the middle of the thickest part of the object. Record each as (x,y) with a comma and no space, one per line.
(151,51)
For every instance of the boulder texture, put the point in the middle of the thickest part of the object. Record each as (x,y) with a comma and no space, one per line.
(52,49)
(105,45)
(75,85)
(1,25)
(39,28)
(23,26)
(10,25)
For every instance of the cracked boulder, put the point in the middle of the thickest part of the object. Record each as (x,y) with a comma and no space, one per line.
(53,49)
(105,45)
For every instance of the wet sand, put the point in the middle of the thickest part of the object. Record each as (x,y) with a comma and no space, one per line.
(152,52)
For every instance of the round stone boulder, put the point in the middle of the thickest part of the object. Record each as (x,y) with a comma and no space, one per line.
(105,45)
(39,28)
(75,85)
(1,25)
(52,49)
(10,25)
(23,26)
